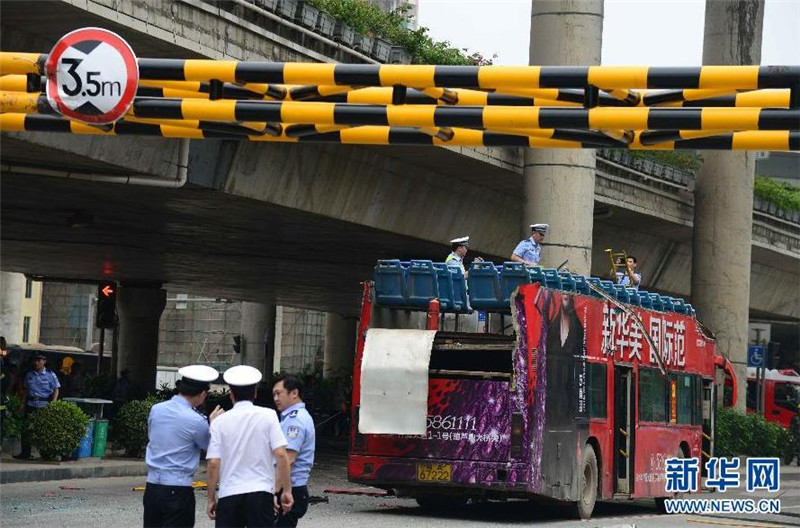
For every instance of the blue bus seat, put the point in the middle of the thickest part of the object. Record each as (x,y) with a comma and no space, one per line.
(552,278)
(608,287)
(445,280)
(422,283)
(390,283)
(512,275)
(657,302)
(633,296)
(567,282)
(484,287)
(581,286)
(536,274)
(690,310)
(680,306)
(621,293)
(668,303)
(644,299)
(460,297)
(594,281)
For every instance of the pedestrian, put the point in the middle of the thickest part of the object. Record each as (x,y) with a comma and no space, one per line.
(177,432)
(298,428)
(41,387)
(630,277)
(794,429)
(246,442)
(529,251)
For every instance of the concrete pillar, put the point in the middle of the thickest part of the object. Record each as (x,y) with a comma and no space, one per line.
(12,288)
(340,345)
(723,198)
(559,184)
(139,309)
(258,331)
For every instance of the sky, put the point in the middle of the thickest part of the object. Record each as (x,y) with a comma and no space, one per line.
(635,32)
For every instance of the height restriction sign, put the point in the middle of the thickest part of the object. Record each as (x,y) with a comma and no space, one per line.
(92,75)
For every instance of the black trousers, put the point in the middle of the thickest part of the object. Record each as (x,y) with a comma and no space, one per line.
(300,507)
(168,506)
(26,430)
(254,510)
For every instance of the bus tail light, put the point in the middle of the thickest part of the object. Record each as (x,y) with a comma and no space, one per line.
(516,435)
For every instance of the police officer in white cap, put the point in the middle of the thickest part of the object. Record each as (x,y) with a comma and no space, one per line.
(245,444)
(529,251)
(459,250)
(177,433)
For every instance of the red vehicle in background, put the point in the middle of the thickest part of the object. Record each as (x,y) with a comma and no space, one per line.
(781,395)
(582,397)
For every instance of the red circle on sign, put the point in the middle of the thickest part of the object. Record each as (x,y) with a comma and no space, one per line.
(120,46)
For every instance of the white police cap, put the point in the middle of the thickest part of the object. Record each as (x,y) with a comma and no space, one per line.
(462,241)
(242,376)
(540,228)
(198,373)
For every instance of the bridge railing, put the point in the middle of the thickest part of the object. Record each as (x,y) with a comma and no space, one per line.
(684,179)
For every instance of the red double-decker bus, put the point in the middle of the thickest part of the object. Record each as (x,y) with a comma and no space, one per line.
(580,398)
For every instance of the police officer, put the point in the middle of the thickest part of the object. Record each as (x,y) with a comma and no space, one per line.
(245,443)
(41,387)
(529,251)
(456,257)
(177,432)
(298,427)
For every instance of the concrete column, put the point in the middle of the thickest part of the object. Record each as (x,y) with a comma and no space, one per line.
(723,198)
(139,309)
(12,288)
(258,331)
(559,184)
(340,345)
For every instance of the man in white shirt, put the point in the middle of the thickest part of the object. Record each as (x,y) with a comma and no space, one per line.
(242,456)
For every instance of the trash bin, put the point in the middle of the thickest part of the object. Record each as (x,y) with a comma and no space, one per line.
(85,447)
(100,438)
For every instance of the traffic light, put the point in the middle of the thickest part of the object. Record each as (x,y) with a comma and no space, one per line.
(106,316)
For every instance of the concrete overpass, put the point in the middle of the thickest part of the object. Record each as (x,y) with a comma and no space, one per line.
(301,225)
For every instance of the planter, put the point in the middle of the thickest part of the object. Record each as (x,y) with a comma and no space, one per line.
(269,5)
(307,16)
(325,24)
(399,55)
(381,50)
(363,43)
(288,8)
(343,34)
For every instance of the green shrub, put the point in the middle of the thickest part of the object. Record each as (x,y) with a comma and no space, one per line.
(14,417)
(130,425)
(749,434)
(782,195)
(57,429)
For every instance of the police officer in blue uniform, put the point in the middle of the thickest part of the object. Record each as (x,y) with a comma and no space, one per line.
(298,428)
(455,259)
(177,432)
(41,387)
(529,251)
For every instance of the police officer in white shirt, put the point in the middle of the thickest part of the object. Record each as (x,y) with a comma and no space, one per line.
(529,251)
(246,442)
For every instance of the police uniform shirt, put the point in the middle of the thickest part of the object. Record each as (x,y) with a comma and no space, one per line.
(40,386)
(455,261)
(177,434)
(625,280)
(528,250)
(243,439)
(298,427)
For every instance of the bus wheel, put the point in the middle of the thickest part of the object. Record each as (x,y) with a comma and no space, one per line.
(439,502)
(588,483)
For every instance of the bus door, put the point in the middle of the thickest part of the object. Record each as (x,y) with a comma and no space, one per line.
(708,405)
(623,428)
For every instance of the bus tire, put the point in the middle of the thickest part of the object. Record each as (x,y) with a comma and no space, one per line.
(588,484)
(439,502)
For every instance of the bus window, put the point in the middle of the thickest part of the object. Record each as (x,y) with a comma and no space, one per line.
(787,395)
(652,396)
(597,389)
(685,398)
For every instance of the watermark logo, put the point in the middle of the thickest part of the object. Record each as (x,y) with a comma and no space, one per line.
(682,475)
(723,473)
(763,473)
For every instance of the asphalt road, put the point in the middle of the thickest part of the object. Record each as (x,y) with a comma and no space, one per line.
(111,502)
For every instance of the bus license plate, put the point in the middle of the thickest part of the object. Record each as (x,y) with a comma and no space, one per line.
(434,472)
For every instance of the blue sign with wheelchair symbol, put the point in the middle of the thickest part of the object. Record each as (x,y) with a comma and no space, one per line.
(755,356)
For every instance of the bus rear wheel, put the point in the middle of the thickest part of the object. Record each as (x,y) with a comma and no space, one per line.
(439,502)
(588,484)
